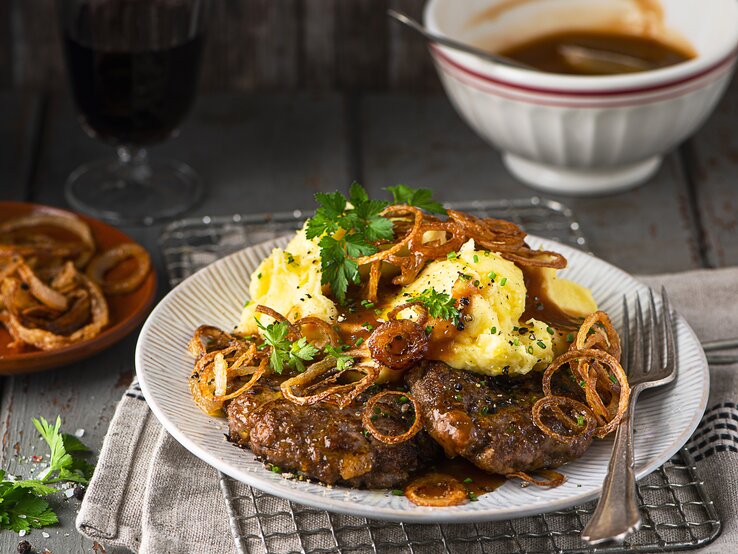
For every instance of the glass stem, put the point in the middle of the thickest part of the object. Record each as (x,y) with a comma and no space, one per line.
(135,162)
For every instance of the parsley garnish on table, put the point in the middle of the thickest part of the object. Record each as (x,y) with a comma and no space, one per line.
(22,502)
(349,228)
(439,305)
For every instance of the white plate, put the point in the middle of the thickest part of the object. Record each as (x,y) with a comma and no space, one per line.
(665,419)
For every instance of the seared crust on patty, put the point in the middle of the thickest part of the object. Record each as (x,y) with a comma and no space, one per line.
(488,420)
(325,442)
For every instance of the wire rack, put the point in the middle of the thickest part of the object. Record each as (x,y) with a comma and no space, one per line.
(677,514)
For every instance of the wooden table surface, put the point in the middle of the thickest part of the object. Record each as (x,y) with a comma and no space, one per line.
(263,152)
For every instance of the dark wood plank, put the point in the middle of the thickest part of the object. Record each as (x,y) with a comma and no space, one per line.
(6,44)
(20,125)
(409,63)
(420,141)
(712,162)
(36,52)
(252,44)
(258,153)
(317,57)
(361,44)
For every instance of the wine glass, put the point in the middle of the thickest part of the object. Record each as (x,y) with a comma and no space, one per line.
(133,67)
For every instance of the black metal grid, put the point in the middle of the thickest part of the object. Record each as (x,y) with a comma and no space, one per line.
(677,514)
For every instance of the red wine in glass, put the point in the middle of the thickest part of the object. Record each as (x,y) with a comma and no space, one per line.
(133,67)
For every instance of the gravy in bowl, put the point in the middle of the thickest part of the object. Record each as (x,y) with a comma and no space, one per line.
(596,53)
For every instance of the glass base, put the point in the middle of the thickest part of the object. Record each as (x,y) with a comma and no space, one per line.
(133,190)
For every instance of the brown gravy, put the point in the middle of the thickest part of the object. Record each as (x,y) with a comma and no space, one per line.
(453,474)
(596,53)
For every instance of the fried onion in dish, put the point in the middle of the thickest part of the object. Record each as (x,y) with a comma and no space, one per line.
(47,301)
(103,263)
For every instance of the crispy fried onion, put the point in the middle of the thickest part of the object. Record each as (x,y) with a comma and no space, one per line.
(47,329)
(597,377)
(208,339)
(436,490)
(598,332)
(398,343)
(102,264)
(317,331)
(397,211)
(214,377)
(69,223)
(369,413)
(551,478)
(426,238)
(40,290)
(324,382)
(556,403)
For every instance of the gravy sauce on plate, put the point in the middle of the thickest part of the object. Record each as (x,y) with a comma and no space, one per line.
(596,53)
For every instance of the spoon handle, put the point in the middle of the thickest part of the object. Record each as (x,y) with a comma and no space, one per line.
(451,43)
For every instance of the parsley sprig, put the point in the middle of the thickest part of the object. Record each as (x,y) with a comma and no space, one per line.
(347,232)
(440,305)
(420,198)
(343,361)
(285,353)
(22,503)
(349,228)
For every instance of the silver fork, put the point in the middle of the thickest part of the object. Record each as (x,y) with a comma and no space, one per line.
(649,360)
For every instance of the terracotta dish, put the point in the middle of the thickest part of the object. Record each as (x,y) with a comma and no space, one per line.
(127,311)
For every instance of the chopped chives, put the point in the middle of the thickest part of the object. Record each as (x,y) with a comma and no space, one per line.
(468,480)
(549,330)
(451,255)
(516,341)
(503,282)
(493,330)
(492,275)
(398,492)
(541,344)
(570,337)
(476,259)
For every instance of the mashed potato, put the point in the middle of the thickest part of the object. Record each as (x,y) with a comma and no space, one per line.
(288,281)
(493,341)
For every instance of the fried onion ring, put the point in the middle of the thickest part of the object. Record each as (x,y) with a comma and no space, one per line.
(203,379)
(366,418)
(398,344)
(46,340)
(342,394)
(586,339)
(593,399)
(106,261)
(556,402)
(324,328)
(41,291)
(70,223)
(453,492)
(553,478)
(397,210)
(417,306)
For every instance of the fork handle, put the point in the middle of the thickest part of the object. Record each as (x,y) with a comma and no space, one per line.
(617,514)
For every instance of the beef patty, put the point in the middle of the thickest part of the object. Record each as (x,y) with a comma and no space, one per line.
(488,420)
(325,442)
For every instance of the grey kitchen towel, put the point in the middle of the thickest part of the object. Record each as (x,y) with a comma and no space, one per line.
(150,495)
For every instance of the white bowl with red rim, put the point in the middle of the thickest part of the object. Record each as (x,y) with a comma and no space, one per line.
(584,135)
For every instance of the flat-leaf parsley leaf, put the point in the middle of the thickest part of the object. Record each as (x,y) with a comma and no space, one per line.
(440,305)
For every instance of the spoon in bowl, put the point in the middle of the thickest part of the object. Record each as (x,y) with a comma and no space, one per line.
(456,45)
